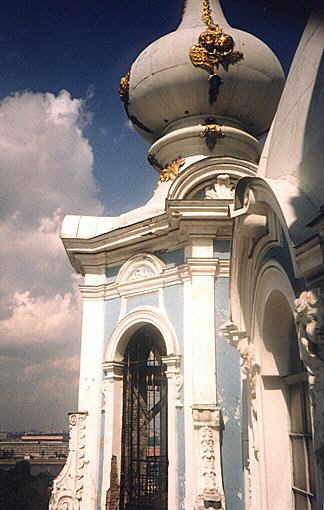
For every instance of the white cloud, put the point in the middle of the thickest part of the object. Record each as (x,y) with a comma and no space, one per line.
(46,171)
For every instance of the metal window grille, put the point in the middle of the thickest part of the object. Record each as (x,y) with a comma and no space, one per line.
(144,435)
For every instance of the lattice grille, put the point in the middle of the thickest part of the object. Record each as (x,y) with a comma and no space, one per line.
(144,438)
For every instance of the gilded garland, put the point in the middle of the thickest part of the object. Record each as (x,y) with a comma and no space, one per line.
(214,47)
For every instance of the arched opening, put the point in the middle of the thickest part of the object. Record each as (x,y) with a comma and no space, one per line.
(144,458)
(287,430)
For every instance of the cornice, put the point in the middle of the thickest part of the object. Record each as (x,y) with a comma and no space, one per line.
(224,268)
(114,290)
(174,276)
(172,230)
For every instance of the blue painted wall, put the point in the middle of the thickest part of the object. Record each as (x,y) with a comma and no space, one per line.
(222,249)
(175,257)
(112,312)
(173,303)
(149,299)
(111,273)
(229,398)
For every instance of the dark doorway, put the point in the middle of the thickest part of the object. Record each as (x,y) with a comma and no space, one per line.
(144,469)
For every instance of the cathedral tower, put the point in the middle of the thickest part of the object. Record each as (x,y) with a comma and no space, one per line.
(168,409)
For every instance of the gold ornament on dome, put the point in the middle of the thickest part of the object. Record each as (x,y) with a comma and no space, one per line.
(214,47)
(171,171)
(212,133)
(124,88)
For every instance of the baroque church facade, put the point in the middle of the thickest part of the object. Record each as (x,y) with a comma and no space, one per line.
(202,354)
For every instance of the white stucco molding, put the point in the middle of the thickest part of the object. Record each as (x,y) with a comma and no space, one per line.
(140,267)
(133,321)
(272,277)
(67,492)
(204,172)
(309,308)
(149,283)
(208,424)
(250,367)
(283,196)
(173,373)
(263,218)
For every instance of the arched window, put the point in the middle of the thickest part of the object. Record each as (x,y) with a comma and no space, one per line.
(287,430)
(144,466)
(300,431)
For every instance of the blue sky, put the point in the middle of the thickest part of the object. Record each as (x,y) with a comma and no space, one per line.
(85,48)
(73,152)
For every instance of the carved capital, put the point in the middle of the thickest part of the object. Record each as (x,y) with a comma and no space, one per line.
(113,371)
(173,372)
(206,415)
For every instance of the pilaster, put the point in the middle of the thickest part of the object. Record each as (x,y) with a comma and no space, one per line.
(90,394)
(201,412)
(175,382)
(112,408)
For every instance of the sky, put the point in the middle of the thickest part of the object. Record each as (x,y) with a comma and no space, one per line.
(66,147)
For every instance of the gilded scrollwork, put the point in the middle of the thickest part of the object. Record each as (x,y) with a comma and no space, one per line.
(211,133)
(171,171)
(215,48)
(124,88)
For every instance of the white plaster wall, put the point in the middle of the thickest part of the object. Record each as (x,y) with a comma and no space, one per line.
(90,393)
(294,150)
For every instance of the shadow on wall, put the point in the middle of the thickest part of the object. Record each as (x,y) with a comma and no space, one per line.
(311,167)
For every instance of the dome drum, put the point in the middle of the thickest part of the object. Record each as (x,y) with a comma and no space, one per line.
(205,137)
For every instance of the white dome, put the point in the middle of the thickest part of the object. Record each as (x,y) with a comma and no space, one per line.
(165,86)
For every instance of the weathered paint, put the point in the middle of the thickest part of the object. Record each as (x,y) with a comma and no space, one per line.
(229,398)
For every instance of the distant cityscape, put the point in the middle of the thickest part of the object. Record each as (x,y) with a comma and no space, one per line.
(36,447)
(29,461)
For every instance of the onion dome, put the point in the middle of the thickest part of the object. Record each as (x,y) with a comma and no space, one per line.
(204,68)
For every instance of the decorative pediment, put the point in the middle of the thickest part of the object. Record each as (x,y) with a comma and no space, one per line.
(140,267)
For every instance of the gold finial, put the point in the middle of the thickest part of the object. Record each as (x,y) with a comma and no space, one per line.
(206,13)
(214,47)
(171,171)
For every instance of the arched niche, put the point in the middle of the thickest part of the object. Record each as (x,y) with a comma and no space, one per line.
(141,322)
(144,442)
(281,397)
(134,321)
(279,340)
